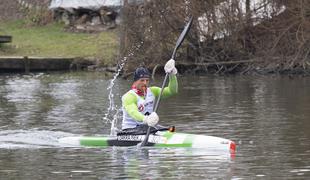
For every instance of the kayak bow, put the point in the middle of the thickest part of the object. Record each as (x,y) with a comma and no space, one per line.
(160,139)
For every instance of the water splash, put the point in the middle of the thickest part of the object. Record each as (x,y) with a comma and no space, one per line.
(113,111)
(111,116)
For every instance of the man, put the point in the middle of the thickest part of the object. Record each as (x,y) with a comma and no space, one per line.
(138,103)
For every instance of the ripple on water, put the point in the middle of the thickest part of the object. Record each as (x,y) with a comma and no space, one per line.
(32,139)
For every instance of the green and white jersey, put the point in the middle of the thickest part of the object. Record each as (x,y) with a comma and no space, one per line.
(145,106)
(135,106)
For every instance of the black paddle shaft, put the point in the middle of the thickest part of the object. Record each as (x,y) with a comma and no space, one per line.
(178,44)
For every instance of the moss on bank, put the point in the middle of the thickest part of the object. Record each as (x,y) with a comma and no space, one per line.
(52,41)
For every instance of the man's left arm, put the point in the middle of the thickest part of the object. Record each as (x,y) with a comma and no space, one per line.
(170,90)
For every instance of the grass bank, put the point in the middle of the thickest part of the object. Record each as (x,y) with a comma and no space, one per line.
(52,41)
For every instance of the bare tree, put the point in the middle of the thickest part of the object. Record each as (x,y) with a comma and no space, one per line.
(227,36)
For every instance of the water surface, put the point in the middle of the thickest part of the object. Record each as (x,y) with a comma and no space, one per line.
(267,116)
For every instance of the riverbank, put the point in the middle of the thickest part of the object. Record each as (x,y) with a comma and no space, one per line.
(53,42)
(34,64)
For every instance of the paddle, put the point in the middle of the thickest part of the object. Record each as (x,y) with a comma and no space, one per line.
(178,44)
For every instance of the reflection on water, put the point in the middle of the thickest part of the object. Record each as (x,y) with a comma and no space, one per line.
(268,118)
(121,163)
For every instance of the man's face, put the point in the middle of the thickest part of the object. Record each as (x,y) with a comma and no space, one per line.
(142,84)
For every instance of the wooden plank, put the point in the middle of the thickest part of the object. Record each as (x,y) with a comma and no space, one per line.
(5,39)
(32,64)
(219,62)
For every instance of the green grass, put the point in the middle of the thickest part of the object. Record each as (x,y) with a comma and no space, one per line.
(52,41)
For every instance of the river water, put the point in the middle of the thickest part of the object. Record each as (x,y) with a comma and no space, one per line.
(267,116)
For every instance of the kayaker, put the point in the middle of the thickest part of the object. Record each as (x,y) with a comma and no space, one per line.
(138,103)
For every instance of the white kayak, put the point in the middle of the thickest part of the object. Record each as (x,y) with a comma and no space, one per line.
(159,139)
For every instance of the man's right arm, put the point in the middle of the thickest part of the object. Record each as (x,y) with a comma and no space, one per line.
(130,105)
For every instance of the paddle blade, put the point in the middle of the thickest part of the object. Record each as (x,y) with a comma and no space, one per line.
(182,37)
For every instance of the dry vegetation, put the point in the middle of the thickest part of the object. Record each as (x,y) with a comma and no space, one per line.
(34,11)
(228,36)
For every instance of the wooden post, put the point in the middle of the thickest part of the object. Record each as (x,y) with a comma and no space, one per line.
(123,35)
(26,64)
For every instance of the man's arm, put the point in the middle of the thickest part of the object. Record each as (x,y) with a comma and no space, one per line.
(172,88)
(130,105)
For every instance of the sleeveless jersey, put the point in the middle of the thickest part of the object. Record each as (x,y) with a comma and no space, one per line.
(145,106)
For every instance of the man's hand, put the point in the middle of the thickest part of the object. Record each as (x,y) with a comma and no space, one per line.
(170,67)
(152,119)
